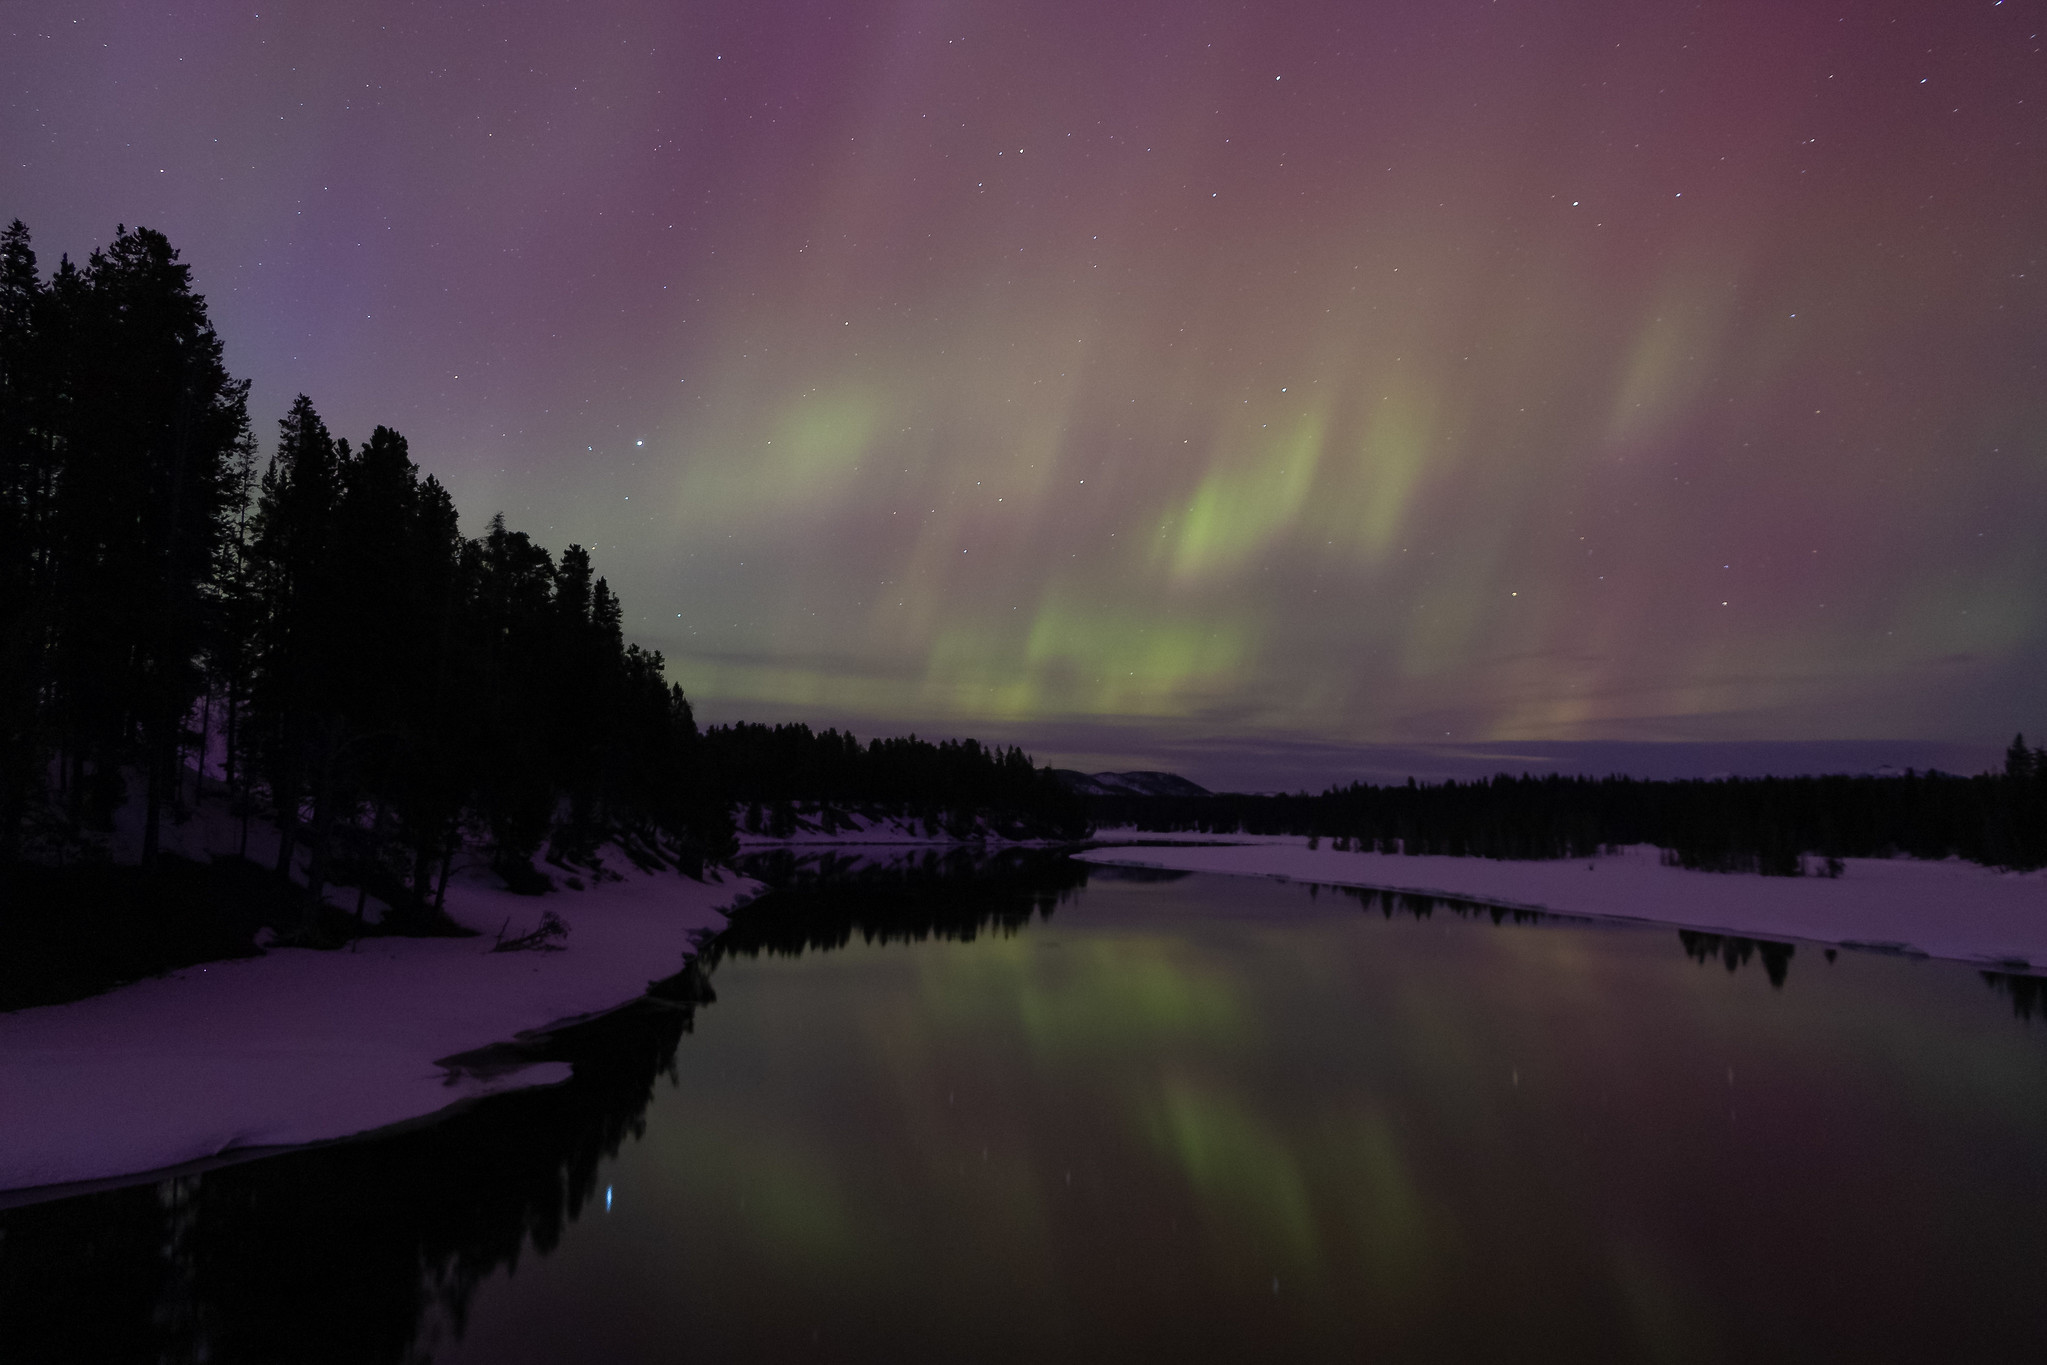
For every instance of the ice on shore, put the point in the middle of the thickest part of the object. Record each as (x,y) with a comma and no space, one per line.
(301,1046)
(298,1046)
(1948,909)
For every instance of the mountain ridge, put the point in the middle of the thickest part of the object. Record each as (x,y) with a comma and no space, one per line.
(1135,783)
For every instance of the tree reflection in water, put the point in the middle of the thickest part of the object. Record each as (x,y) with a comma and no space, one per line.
(821,900)
(1731,950)
(374,1250)
(1421,905)
(371,1250)
(359,1251)
(2027,993)
(1735,951)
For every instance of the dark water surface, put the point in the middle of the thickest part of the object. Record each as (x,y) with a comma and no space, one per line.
(1045,1115)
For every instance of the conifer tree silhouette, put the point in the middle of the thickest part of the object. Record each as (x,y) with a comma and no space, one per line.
(149,433)
(26,480)
(296,511)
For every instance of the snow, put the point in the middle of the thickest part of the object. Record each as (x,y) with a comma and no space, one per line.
(853,828)
(300,1046)
(1948,909)
(810,828)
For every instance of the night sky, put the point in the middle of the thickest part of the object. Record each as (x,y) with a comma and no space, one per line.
(1109,377)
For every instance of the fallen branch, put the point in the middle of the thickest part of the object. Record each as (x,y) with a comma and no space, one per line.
(541,940)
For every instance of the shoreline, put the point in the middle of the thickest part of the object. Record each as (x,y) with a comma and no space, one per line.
(298,1047)
(237,1059)
(1953,910)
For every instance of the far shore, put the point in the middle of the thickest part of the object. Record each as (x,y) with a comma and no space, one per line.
(1949,909)
(297,1046)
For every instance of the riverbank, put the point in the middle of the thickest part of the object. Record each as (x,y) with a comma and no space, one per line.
(1949,909)
(299,1046)
(811,824)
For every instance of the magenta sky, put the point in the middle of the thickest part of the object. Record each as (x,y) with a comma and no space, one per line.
(1324,373)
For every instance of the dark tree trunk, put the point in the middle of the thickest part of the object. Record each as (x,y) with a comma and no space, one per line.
(152,818)
(287,826)
(422,872)
(323,812)
(205,736)
(447,865)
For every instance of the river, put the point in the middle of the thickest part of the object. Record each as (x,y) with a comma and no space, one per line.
(1029,1110)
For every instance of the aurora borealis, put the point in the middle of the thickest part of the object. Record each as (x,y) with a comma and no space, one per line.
(1403,373)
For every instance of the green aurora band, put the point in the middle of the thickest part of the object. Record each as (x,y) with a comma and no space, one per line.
(1391,373)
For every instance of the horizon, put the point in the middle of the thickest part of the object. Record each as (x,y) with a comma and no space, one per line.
(1276,400)
(1254,765)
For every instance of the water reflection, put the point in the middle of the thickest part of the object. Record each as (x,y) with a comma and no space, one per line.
(1226,1119)
(1200,1117)
(821,900)
(1734,952)
(362,1251)
(1421,905)
(2028,994)
(1110,872)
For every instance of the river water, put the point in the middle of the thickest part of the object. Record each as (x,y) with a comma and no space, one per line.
(1036,1112)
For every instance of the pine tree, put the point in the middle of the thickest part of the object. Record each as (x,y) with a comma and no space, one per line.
(433,772)
(25,477)
(512,630)
(150,428)
(86,653)
(293,547)
(2018,760)
(231,654)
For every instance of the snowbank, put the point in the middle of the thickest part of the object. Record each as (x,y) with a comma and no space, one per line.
(810,827)
(1940,909)
(300,1046)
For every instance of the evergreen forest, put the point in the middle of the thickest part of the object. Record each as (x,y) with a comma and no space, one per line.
(378,691)
(1772,825)
(953,787)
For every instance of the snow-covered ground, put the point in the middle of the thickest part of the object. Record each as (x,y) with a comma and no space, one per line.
(1941,909)
(300,1046)
(852,828)
(810,826)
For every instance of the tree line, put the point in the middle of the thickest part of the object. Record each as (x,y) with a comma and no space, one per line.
(1768,824)
(384,690)
(378,687)
(381,687)
(951,785)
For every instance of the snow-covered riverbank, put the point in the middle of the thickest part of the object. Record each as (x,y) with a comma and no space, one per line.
(299,1046)
(1940,909)
(811,825)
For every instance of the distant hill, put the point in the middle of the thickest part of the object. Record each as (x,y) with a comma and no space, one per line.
(1128,784)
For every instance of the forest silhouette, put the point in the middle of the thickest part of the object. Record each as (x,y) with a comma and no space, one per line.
(381,690)
(386,693)
(1777,826)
